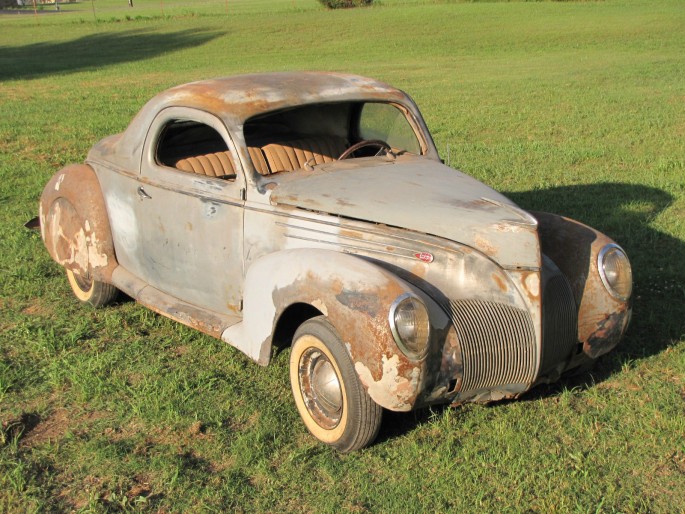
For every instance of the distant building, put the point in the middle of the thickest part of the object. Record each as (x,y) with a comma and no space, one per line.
(14,3)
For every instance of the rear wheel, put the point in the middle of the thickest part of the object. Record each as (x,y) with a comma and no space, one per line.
(94,292)
(331,400)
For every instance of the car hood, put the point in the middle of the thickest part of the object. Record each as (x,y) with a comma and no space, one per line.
(418,194)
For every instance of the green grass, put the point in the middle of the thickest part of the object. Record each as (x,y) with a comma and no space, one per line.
(572,107)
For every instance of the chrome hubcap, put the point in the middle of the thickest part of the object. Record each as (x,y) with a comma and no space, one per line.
(320,387)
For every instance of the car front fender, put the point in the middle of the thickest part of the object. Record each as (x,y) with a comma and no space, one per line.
(355,295)
(74,225)
(574,248)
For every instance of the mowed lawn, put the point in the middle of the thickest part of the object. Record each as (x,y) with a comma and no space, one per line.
(572,107)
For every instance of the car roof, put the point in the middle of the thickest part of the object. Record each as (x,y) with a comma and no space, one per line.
(243,96)
(236,99)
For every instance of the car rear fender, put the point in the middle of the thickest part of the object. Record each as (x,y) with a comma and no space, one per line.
(355,295)
(74,225)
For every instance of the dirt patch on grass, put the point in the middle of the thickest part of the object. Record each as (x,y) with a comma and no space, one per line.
(51,428)
(141,488)
(37,307)
(164,436)
(180,351)
(99,490)
(30,429)
(18,427)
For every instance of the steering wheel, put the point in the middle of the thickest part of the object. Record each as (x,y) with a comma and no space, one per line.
(382,145)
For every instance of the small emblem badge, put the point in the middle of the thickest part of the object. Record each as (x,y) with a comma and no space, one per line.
(424,256)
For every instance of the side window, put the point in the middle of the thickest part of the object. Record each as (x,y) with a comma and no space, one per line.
(195,148)
(387,123)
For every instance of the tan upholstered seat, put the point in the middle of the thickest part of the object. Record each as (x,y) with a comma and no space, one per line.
(216,164)
(292,155)
(258,160)
(272,158)
(220,164)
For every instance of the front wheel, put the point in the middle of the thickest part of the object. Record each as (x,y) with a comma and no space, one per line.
(331,400)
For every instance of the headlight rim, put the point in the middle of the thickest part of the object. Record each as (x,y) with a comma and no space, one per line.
(602,274)
(395,333)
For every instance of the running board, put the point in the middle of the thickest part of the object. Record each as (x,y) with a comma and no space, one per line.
(206,321)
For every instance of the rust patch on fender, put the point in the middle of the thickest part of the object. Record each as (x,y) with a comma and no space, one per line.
(531,284)
(574,248)
(485,246)
(74,223)
(359,301)
(393,390)
(607,333)
(359,313)
(499,282)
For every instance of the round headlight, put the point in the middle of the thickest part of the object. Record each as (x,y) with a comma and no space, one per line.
(614,269)
(410,325)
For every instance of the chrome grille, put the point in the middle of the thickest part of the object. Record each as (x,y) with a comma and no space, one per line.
(497,343)
(560,322)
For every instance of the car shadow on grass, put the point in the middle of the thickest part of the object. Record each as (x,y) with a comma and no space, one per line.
(94,51)
(625,212)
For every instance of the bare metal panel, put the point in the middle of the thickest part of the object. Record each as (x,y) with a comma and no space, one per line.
(421,195)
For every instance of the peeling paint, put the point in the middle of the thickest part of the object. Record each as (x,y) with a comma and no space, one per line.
(41,216)
(211,209)
(360,300)
(96,259)
(392,389)
(533,284)
(318,303)
(74,223)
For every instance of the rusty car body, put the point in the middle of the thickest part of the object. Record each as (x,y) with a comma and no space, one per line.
(313,209)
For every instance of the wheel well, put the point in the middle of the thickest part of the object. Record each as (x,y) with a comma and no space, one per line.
(290,320)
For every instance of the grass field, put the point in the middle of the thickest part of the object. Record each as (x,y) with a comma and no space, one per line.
(572,107)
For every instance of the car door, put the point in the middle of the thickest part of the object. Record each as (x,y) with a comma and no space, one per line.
(190,224)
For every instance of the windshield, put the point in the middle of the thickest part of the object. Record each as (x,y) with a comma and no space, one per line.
(387,123)
(314,134)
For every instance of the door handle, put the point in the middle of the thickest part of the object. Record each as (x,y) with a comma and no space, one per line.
(143,195)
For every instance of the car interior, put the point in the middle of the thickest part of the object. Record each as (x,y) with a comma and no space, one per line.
(291,139)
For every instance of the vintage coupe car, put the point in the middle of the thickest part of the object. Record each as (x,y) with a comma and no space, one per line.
(313,210)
